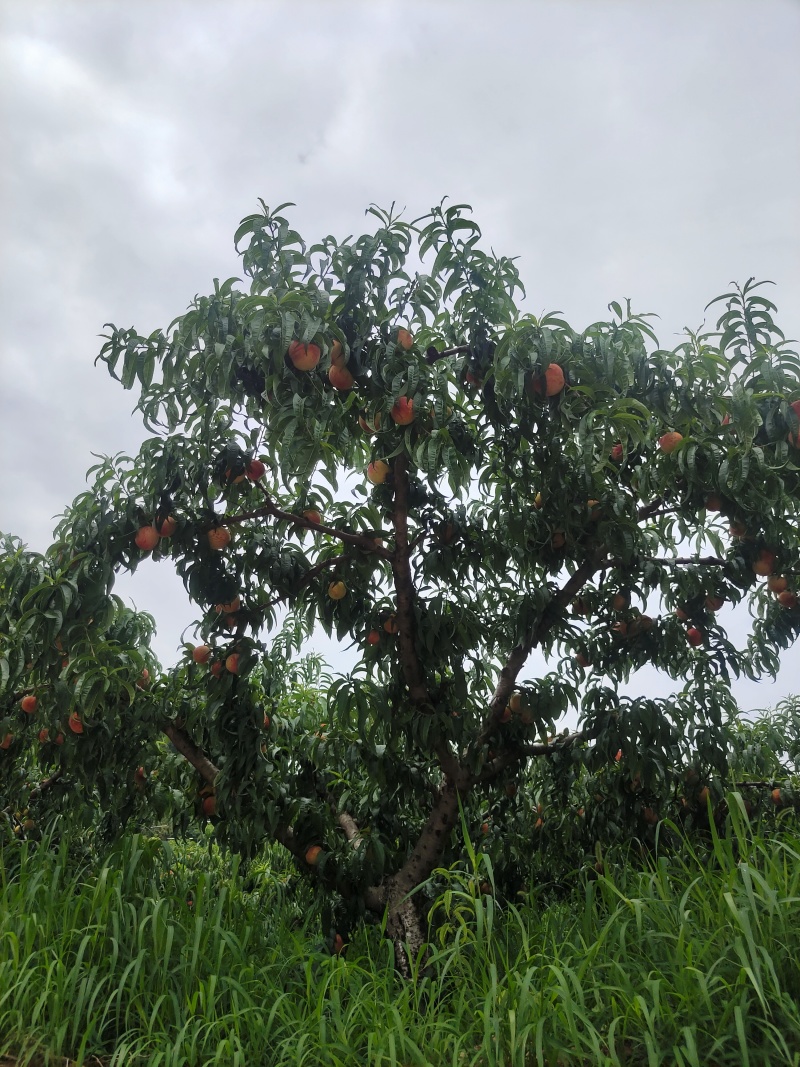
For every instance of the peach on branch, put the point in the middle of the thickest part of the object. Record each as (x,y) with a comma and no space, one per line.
(313,853)
(405,338)
(378,472)
(776,583)
(255,469)
(337,590)
(210,806)
(668,442)
(402,412)
(373,637)
(340,377)
(219,537)
(167,527)
(232,663)
(201,653)
(147,538)
(550,383)
(29,704)
(337,354)
(75,723)
(764,564)
(6,742)
(313,516)
(372,425)
(617,452)
(304,357)
(787,599)
(694,636)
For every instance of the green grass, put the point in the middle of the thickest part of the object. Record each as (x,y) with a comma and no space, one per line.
(693,962)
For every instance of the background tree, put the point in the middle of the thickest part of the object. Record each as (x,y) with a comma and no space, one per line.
(406,460)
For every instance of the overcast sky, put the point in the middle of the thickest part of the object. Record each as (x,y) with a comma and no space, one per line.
(620,149)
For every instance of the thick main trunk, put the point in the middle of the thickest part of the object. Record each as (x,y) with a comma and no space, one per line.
(405,925)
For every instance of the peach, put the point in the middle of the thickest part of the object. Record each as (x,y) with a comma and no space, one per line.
(670,441)
(304,357)
(403,411)
(147,538)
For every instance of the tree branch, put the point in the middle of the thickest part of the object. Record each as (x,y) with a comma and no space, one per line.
(435,357)
(367,543)
(404,589)
(519,654)
(191,752)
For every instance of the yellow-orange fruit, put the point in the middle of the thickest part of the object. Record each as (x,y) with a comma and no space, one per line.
(219,537)
(304,357)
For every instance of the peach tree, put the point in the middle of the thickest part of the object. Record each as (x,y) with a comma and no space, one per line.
(373,440)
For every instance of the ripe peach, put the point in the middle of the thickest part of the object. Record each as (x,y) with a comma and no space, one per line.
(403,411)
(340,377)
(217,668)
(255,469)
(147,538)
(337,590)
(714,603)
(620,601)
(210,805)
(670,441)
(551,382)
(776,797)
(373,637)
(168,527)
(312,516)
(6,742)
(582,660)
(391,626)
(484,828)
(370,427)
(617,452)
(787,599)
(44,733)
(29,704)
(201,653)
(230,608)
(737,529)
(694,636)
(232,663)
(143,681)
(378,472)
(75,724)
(219,537)
(405,338)
(266,722)
(304,357)
(337,354)
(765,563)
(313,853)
(776,583)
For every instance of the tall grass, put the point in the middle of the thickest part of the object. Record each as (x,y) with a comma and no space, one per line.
(693,962)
